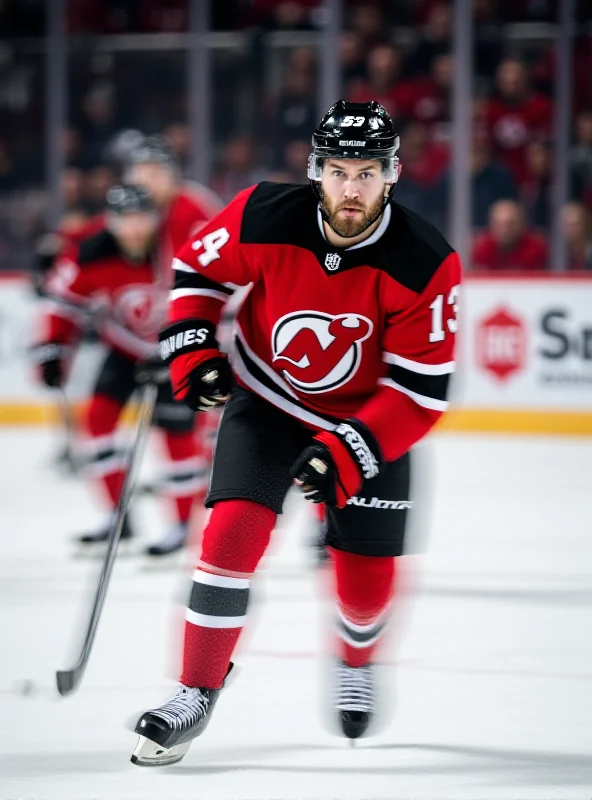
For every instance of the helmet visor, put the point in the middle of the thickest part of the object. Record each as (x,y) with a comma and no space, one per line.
(388,174)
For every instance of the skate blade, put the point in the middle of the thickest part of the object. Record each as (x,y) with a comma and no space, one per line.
(93,551)
(163,563)
(149,754)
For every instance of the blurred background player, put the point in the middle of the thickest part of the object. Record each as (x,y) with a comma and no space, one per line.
(183,208)
(113,278)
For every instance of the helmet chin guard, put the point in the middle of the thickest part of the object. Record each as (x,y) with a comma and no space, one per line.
(362,131)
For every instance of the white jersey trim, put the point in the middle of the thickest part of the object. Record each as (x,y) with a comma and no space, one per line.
(96,469)
(420,399)
(185,465)
(363,628)
(280,402)
(175,294)
(208,621)
(261,364)
(181,266)
(225,581)
(95,444)
(359,645)
(416,366)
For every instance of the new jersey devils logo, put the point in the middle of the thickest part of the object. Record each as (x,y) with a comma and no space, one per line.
(319,352)
(140,308)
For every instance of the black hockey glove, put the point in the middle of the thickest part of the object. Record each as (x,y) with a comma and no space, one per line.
(200,374)
(209,385)
(333,468)
(49,358)
(314,473)
(152,370)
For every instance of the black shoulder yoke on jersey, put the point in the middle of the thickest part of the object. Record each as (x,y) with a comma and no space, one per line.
(410,250)
(98,247)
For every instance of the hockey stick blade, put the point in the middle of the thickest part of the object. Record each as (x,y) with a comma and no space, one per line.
(69,680)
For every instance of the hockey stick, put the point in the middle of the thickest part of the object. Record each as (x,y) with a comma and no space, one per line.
(69,680)
(67,457)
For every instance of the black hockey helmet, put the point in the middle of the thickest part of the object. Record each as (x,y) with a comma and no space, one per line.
(357,131)
(128,198)
(152,150)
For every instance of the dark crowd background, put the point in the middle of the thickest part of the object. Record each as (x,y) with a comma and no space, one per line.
(127,76)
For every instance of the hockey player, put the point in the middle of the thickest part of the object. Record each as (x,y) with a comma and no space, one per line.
(185,206)
(111,278)
(341,363)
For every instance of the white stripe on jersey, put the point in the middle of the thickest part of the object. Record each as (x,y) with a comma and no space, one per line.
(175,294)
(416,366)
(277,400)
(420,399)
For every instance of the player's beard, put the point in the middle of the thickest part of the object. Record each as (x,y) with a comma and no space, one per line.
(351,227)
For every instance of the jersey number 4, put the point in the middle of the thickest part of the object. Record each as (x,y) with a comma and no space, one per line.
(437,333)
(212,243)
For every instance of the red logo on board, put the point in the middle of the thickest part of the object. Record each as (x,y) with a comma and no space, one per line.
(501,344)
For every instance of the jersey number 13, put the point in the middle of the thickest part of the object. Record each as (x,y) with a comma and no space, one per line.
(438,332)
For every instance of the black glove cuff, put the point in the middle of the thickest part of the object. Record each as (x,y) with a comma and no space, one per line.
(185,337)
(362,446)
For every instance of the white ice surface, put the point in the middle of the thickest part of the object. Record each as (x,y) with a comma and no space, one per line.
(490,663)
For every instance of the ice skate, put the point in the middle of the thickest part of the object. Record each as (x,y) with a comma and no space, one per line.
(354,698)
(172,543)
(166,732)
(92,545)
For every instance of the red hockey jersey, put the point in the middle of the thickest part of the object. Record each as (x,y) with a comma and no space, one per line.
(325,334)
(185,216)
(189,211)
(95,283)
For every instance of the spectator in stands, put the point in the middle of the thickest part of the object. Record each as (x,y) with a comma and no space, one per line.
(238,169)
(369,23)
(424,162)
(351,56)
(98,123)
(576,223)
(295,164)
(509,244)
(72,187)
(383,68)
(487,45)
(285,14)
(545,70)
(179,138)
(7,172)
(436,39)
(516,116)
(296,111)
(96,184)
(72,145)
(536,188)
(302,59)
(581,158)
(427,98)
(490,182)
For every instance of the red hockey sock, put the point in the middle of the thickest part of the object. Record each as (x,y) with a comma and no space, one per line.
(105,463)
(364,590)
(234,540)
(186,477)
